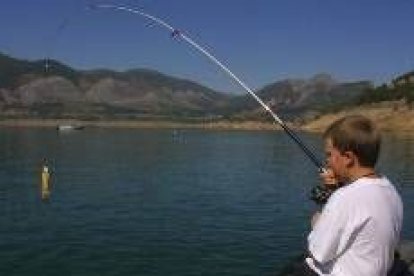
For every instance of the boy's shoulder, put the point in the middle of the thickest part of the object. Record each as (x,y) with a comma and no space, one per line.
(361,188)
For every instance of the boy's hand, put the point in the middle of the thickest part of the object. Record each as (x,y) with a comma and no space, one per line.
(328,178)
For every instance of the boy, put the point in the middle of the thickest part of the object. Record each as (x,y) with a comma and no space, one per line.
(359,227)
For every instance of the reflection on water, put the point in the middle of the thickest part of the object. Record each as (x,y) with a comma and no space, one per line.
(161,202)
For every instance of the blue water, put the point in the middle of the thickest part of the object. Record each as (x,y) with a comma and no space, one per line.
(163,202)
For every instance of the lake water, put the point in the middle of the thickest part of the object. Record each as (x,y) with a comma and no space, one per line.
(163,202)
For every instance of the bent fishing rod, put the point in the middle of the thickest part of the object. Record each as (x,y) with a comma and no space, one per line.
(176,33)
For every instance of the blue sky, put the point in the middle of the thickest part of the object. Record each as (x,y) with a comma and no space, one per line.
(261,41)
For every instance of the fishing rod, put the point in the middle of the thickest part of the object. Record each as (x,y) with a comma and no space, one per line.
(318,194)
(179,34)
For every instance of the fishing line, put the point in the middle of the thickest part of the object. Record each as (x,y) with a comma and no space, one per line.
(53,40)
(51,44)
(176,33)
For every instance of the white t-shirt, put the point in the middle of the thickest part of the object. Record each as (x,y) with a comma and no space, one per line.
(358,230)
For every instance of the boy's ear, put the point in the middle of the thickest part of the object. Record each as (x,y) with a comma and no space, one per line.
(350,158)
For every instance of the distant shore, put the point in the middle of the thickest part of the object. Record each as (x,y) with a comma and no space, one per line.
(53,123)
(396,118)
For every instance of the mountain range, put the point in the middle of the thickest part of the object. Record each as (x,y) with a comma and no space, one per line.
(50,89)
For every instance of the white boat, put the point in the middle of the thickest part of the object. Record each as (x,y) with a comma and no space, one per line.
(69,127)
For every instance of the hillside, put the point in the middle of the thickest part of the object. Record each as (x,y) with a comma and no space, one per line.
(52,90)
(391,116)
(299,98)
(391,106)
(40,89)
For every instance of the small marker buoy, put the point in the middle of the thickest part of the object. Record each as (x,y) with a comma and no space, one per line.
(45,187)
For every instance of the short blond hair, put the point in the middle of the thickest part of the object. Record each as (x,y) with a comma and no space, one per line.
(357,134)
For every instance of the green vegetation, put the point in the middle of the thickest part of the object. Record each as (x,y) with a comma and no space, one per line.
(401,88)
(388,93)
(371,95)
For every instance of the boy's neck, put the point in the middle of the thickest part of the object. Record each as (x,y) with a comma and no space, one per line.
(360,172)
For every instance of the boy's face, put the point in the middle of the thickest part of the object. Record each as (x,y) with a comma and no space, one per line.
(336,161)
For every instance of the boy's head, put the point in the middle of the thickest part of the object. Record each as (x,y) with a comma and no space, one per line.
(353,141)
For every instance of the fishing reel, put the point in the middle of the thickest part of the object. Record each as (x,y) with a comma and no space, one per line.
(321,193)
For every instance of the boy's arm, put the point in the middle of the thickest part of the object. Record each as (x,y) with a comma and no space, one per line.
(328,179)
(315,218)
(324,239)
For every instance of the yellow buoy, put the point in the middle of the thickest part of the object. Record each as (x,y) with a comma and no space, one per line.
(45,188)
